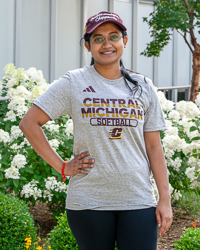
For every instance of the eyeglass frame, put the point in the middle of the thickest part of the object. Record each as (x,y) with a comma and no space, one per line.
(91,40)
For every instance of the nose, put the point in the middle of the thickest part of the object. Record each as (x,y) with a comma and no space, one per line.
(107,43)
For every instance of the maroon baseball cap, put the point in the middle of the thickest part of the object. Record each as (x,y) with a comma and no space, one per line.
(102,17)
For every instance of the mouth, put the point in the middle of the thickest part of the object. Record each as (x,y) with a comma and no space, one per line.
(107,52)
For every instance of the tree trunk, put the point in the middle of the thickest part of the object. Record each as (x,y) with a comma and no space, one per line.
(195,74)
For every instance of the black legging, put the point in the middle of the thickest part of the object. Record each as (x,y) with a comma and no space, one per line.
(98,230)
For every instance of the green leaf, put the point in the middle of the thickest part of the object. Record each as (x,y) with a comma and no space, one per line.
(1,176)
(29,170)
(193,128)
(195,138)
(16,183)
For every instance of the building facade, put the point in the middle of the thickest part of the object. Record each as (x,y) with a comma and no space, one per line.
(46,34)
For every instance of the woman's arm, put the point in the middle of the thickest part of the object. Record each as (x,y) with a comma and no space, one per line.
(158,166)
(31,125)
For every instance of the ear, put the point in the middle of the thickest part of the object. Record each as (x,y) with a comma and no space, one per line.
(87,45)
(125,41)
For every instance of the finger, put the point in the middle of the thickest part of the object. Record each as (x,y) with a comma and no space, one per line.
(82,171)
(82,155)
(85,166)
(158,218)
(86,161)
(163,228)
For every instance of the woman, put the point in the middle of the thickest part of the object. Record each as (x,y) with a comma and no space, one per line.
(117,118)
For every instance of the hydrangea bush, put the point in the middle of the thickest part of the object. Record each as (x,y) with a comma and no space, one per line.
(25,174)
(181,143)
(22,171)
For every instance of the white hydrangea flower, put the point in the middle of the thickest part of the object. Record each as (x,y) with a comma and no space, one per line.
(190,172)
(195,184)
(27,190)
(36,92)
(25,142)
(22,92)
(10,116)
(187,109)
(19,161)
(9,71)
(177,163)
(12,172)
(37,193)
(35,75)
(12,82)
(167,105)
(177,195)
(168,123)
(194,162)
(192,110)
(20,75)
(50,183)
(61,187)
(197,101)
(168,152)
(15,102)
(54,143)
(52,127)
(69,127)
(10,93)
(31,189)
(174,115)
(18,104)
(47,194)
(173,142)
(15,146)
(15,132)
(187,148)
(181,108)
(4,136)
(171,131)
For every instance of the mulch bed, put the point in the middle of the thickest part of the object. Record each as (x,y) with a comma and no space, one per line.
(44,220)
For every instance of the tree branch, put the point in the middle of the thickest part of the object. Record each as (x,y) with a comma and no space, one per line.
(193,38)
(188,42)
(186,3)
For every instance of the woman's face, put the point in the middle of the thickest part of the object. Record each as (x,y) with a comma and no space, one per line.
(107,52)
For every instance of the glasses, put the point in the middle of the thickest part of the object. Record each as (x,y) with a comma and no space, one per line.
(99,40)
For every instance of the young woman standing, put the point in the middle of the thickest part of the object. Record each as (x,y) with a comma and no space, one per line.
(117,118)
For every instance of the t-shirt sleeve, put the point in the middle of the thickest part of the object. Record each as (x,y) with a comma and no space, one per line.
(153,118)
(56,100)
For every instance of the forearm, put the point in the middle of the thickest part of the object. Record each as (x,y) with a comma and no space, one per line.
(39,142)
(159,170)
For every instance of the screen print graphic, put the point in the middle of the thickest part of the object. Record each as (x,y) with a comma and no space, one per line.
(112,112)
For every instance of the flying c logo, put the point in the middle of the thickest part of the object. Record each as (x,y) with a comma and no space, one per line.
(116,134)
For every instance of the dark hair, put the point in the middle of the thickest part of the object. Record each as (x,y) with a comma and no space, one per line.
(123,69)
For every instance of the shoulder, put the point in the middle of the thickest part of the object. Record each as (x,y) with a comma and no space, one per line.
(80,72)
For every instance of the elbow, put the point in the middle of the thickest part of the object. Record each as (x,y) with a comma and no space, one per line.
(22,125)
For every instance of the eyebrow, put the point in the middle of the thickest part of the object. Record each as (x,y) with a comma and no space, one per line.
(115,32)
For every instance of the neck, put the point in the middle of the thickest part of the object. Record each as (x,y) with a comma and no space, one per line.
(111,72)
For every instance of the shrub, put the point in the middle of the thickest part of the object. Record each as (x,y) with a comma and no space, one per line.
(16,223)
(189,240)
(61,236)
(21,168)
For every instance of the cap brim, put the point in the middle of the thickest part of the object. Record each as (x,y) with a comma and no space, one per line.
(89,31)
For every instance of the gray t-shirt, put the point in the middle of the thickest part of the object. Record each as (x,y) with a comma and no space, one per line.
(109,123)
